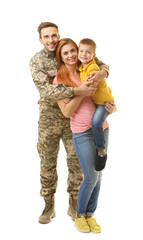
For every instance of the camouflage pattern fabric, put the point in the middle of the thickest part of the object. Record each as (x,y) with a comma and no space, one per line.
(50,134)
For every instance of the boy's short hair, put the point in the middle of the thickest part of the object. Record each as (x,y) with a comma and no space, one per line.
(45,25)
(88,41)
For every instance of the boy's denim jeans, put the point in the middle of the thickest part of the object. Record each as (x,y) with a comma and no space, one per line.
(88,193)
(97,126)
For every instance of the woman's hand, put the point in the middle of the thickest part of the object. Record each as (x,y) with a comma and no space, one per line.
(110,107)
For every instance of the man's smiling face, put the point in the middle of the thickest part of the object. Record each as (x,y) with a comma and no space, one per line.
(49,38)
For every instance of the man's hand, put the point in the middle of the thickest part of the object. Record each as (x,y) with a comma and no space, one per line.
(98,76)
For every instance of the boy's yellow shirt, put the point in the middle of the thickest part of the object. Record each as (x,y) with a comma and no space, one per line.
(103,92)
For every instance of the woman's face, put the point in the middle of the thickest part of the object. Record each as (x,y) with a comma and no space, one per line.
(69,54)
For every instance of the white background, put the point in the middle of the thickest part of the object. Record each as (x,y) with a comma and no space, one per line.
(116,27)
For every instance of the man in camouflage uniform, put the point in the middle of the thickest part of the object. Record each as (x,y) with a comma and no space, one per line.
(52,125)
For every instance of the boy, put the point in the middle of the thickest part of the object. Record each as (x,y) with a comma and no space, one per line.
(87,48)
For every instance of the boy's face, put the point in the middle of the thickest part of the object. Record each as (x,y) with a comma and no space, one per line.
(85,53)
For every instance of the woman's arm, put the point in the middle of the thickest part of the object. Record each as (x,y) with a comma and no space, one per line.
(69,108)
(110,107)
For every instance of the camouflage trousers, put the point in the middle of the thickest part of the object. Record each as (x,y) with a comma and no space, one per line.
(50,133)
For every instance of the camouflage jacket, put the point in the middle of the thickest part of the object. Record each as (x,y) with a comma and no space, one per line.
(43,67)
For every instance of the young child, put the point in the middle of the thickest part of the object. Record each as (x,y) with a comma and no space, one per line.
(87,48)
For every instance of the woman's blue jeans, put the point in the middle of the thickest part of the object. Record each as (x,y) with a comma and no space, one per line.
(89,190)
(97,126)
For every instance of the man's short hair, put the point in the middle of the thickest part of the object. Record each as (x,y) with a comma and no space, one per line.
(88,41)
(45,25)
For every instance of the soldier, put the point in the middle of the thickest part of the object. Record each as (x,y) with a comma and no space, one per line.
(52,125)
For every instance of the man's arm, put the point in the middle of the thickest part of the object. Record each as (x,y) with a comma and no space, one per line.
(45,88)
(102,65)
(98,76)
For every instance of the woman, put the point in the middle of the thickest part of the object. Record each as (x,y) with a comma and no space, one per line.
(80,110)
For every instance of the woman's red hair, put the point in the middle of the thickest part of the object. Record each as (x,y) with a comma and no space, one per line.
(63,75)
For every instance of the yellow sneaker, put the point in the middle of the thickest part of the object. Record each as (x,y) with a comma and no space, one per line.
(94,227)
(81,224)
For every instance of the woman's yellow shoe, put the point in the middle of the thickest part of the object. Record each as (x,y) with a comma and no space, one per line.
(81,224)
(94,227)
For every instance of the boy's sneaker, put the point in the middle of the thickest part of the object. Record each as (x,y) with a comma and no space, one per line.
(81,224)
(94,227)
(100,162)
